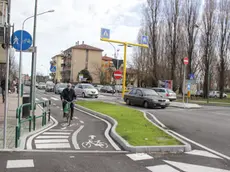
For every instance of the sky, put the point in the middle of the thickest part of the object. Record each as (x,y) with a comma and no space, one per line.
(76,20)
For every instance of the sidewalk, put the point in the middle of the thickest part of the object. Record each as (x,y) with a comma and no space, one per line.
(12,122)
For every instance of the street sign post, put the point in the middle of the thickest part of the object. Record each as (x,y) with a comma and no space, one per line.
(53,69)
(105,33)
(21,40)
(185,64)
(105,36)
(117,74)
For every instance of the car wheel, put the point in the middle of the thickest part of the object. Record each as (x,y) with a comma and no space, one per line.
(83,95)
(96,97)
(146,105)
(163,107)
(127,102)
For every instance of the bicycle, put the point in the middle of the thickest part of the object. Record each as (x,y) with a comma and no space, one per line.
(95,143)
(67,111)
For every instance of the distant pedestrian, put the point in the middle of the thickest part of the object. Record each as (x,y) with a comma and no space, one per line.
(3,89)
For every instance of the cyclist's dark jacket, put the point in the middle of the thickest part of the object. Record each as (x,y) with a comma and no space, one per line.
(68,95)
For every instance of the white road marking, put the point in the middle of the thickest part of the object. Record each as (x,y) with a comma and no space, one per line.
(29,141)
(54,104)
(191,168)
(57,133)
(203,153)
(52,141)
(75,117)
(36,99)
(52,137)
(139,156)
(161,124)
(43,98)
(53,98)
(74,137)
(60,130)
(26,163)
(106,133)
(199,145)
(58,107)
(162,168)
(82,122)
(52,145)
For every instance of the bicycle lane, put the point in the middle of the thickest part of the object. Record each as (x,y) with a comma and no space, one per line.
(83,129)
(93,135)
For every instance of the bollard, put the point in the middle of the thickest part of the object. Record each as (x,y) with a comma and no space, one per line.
(30,125)
(34,122)
(16,136)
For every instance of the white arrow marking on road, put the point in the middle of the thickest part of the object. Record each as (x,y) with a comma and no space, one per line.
(92,136)
(192,168)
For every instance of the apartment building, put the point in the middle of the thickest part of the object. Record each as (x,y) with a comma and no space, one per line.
(79,57)
(107,68)
(57,61)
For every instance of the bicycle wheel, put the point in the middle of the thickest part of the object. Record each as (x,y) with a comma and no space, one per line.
(103,145)
(86,144)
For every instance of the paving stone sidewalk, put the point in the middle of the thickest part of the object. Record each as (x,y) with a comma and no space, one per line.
(12,122)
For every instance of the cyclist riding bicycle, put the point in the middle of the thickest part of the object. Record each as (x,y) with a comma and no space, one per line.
(68,94)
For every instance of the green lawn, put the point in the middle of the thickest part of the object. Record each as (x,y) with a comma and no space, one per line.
(132,125)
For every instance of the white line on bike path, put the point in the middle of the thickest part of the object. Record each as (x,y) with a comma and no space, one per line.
(74,137)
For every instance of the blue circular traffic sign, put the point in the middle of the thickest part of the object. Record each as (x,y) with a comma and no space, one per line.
(26,40)
(53,68)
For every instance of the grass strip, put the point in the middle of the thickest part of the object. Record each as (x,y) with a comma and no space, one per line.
(132,125)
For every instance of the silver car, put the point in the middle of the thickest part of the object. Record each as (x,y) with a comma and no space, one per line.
(166,93)
(86,90)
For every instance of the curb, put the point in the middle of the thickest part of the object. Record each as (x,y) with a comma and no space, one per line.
(184,107)
(138,149)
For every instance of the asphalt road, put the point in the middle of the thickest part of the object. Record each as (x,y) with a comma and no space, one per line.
(208,126)
(67,152)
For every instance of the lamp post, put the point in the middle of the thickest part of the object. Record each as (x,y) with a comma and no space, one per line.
(20,56)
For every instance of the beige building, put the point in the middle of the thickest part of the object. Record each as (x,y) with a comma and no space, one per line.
(81,57)
(57,61)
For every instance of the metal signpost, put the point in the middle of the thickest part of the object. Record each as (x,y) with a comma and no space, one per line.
(185,64)
(21,40)
(105,36)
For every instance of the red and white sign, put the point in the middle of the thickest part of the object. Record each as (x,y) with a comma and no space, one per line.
(186,60)
(117,74)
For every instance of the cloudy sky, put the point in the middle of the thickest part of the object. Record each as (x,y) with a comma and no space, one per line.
(76,20)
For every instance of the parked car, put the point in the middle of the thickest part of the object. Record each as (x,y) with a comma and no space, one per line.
(86,90)
(166,93)
(216,94)
(98,87)
(61,87)
(199,93)
(145,97)
(56,88)
(42,85)
(49,87)
(107,89)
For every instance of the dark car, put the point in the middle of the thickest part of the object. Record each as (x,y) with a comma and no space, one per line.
(107,89)
(145,97)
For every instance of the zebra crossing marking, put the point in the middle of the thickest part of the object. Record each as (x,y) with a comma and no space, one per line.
(52,145)
(43,98)
(139,156)
(52,137)
(53,98)
(23,163)
(51,141)
(57,133)
(162,168)
(203,153)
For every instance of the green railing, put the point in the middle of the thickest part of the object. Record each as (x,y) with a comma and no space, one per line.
(32,118)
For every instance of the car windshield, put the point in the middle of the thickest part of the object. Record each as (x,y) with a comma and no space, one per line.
(148,92)
(87,86)
(62,85)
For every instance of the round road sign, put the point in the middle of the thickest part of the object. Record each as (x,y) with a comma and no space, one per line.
(117,74)
(186,60)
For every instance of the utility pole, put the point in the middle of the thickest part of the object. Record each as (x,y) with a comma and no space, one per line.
(33,63)
(7,41)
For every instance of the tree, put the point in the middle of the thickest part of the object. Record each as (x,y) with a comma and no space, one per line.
(191,13)
(208,40)
(223,41)
(86,74)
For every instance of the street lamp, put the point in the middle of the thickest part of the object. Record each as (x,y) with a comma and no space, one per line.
(20,56)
